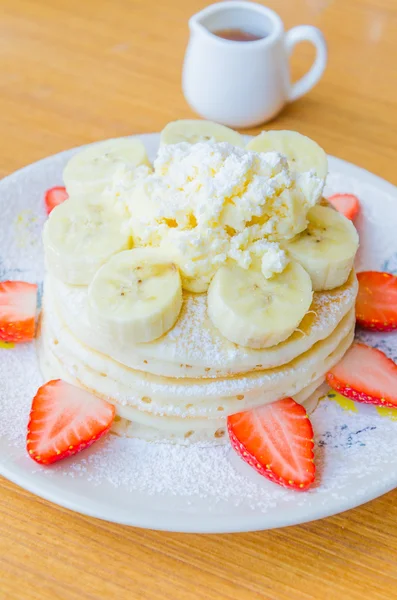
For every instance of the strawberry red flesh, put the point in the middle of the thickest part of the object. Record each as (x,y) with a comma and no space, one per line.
(366,375)
(347,204)
(376,304)
(18,301)
(55,196)
(277,441)
(64,420)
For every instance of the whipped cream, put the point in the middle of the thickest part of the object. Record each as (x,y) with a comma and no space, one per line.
(124,180)
(209,203)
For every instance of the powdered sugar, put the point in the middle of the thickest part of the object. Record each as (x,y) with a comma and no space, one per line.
(349,447)
(19,379)
(210,472)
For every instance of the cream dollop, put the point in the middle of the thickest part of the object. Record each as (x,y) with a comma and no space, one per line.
(209,203)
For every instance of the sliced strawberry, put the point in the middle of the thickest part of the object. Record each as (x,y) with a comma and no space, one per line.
(376,304)
(18,301)
(367,375)
(65,419)
(347,204)
(55,196)
(277,440)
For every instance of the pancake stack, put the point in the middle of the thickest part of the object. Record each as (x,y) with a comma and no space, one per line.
(181,383)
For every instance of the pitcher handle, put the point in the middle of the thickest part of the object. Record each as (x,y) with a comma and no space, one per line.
(307,33)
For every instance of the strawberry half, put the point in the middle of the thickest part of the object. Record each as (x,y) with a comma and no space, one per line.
(347,204)
(367,375)
(64,420)
(18,301)
(376,304)
(277,440)
(55,196)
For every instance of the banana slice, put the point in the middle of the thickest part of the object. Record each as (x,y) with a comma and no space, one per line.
(326,249)
(193,131)
(79,237)
(93,169)
(303,154)
(136,296)
(257,312)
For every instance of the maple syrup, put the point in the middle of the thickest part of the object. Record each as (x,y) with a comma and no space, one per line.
(238,35)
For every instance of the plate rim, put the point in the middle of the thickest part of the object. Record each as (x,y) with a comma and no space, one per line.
(214,523)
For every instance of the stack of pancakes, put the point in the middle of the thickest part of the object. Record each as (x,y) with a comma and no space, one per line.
(182,386)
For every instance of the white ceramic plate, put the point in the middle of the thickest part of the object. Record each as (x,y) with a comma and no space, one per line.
(195,489)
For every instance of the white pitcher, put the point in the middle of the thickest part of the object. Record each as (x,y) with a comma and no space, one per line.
(243,84)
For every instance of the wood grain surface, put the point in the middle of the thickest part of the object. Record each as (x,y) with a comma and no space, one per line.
(74,71)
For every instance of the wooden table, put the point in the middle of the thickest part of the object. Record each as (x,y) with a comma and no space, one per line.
(74,71)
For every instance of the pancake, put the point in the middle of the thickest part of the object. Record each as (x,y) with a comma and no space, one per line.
(180,431)
(140,423)
(125,428)
(188,396)
(194,348)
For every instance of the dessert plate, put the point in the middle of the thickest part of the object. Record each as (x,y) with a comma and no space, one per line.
(196,488)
